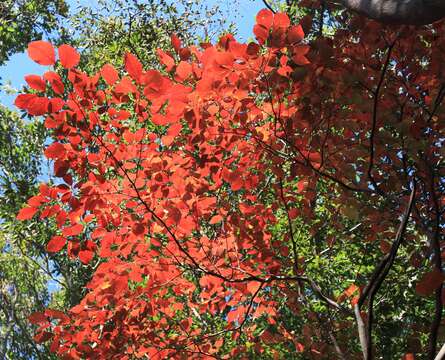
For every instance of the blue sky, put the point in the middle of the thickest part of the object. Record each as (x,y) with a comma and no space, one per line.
(20,65)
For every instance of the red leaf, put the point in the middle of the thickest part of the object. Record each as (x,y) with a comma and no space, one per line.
(38,106)
(176,43)
(110,74)
(68,56)
(55,81)
(295,34)
(43,336)
(35,105)
(300,59)
(42,52)
(36,82)
(55,105)
(166,60)
(299,346)
(237,183)
(265,18)
(429,282)
(56,314)
(125,86)
(73,230)
(26,213)
(85,256)
(281,20)
(183,70)
(261,33)
(37,318)
(55,151)
(22,101)
(138,229)
(56,244)
(35,201)
(133,66)
(159,119)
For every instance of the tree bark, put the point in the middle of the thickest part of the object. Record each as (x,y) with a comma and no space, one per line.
(406,12)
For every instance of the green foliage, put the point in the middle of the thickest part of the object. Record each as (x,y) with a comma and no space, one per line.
(108,31)
(22,21)
(23,284)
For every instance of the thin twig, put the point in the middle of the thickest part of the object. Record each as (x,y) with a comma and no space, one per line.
(374,119)
(268,6)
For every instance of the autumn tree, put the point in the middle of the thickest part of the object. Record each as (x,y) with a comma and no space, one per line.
(31,278)
(276,199)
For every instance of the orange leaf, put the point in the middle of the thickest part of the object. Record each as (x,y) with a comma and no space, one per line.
(253,286)
(42,52)
(184,70)
(133,66)
(166,60)
(351,290)
(72,230)
(85,256)
(36,82)
(68,56)
(265,18)
(56,244)
(176,43)
(110,74)
(26,213)
(216,219)
(281,20)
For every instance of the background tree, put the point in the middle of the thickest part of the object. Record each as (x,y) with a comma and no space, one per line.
(24,269)
(22,21)
(22,286)
(106,32)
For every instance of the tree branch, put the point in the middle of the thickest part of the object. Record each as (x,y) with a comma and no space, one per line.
(361,331)
(376,94)
(396,12)
(377,279)
(403,12)
(437,262)
(266,3)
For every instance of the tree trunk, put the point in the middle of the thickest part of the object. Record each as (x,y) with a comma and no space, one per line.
(407,12)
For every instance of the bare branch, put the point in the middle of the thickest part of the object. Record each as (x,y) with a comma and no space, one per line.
(266,3)
(374,119)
